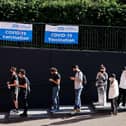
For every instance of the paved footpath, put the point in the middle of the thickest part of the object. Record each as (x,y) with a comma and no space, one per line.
(101,117)
(81,120)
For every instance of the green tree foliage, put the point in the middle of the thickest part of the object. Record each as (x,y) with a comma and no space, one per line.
(88,12)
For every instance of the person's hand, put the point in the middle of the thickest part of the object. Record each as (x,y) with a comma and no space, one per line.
(51,80)
(72,78)
(18,85)
(8,84)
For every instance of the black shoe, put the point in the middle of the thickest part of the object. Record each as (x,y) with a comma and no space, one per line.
(115,113)
(54,110)
(123,105)
(15,111)
(23,115)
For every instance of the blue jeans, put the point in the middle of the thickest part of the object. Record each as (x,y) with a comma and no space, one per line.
(55,97)
(78,98)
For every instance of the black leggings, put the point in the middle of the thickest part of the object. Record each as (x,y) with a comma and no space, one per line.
(23,101)
(114,105)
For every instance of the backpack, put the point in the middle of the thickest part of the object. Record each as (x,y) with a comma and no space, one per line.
(28,85)
(84,78)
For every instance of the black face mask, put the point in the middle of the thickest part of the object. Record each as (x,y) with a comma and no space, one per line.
(11,72)
(75,71)
(102,71)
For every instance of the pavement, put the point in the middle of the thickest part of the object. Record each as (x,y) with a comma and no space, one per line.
(100,116)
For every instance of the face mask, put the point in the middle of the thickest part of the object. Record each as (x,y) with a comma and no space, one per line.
(102,71)
(11,72)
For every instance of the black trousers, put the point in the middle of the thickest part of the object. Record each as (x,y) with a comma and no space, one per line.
(114,105)
(122,96)
(23,100)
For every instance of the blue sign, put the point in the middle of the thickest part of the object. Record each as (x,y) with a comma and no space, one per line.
(61,34)
(15,32)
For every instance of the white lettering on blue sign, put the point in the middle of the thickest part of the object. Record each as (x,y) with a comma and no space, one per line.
(15,32)
(61,34)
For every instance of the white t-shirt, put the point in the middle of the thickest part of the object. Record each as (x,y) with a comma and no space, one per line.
(113,90)
(78,82)
(123,80)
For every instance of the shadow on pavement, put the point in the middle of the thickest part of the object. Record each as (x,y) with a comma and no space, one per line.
(66,116)
(75,119)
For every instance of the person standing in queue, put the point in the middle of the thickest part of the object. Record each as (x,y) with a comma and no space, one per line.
(122,88)
(23,91)
(55,80)
(101,84)
(113,93)
(13,87)
(78,86)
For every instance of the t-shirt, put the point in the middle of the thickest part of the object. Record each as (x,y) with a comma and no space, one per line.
(123,80)
(13,78)
(78,83)
(22,81)
(55,77)
(113,90)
